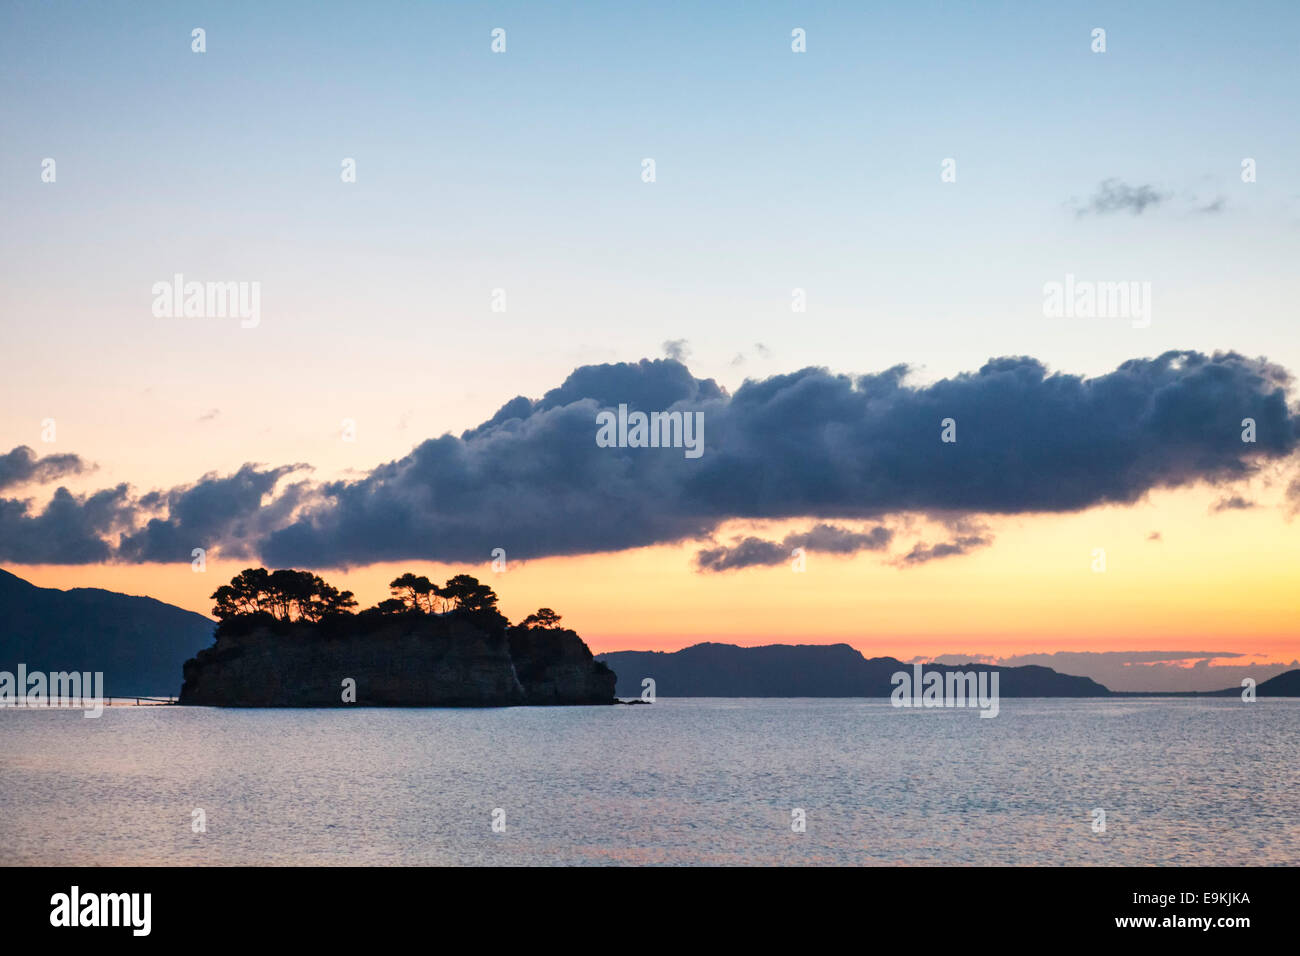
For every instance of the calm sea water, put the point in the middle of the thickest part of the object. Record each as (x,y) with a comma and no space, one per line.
(683,781)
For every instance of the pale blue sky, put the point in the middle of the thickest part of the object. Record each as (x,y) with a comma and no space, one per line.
(522,170)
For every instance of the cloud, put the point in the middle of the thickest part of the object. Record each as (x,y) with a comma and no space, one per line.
(746,553)
(761,350)
(1154,536)
(963,544)
(809,445)
(823,538)
(1233,503)
(23,466)
(230,513)
(679,350)
(71,529)
(226,512)
(1113,195)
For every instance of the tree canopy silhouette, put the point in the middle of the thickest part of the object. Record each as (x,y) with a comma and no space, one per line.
(289,595)
(545,618)
(286,595)
(416,594)
(467,593)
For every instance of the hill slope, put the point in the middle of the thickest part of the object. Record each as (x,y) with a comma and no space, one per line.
(140,644)
(1286,684)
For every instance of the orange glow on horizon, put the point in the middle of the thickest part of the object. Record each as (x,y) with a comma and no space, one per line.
(1214,582)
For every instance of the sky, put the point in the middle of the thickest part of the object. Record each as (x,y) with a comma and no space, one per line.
(486,177)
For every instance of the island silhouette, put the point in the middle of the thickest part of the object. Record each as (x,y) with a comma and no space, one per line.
(286,638)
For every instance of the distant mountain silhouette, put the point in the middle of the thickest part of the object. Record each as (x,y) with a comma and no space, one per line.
(139,643)
(1283,685)
(808,670)
(1286,684)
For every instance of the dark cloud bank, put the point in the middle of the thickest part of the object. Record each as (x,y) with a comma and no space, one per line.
(810,445)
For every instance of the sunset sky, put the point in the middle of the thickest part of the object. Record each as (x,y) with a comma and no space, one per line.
(775,171)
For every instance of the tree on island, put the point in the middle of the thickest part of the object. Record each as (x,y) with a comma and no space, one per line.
(285,595)
(414,594)
(418,593)
(544,618)
(466,593)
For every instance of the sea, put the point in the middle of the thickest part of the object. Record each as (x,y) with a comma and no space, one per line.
(683,781)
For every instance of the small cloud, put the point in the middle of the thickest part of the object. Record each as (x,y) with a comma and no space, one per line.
(761,350)
(1154,536)
(210,414)
(1215,207)
(679,350)
(1114,195)
(23,466)
(821,538)
(962,544)
(745,553)
(1234,503)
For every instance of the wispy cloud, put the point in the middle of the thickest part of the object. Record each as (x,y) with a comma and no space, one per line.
(962,544)
(821,538)
(1114,195)
(1233,503)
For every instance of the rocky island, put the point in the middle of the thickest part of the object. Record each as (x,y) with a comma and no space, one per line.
(288,639)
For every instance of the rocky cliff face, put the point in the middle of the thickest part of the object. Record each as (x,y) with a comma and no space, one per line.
(555,666)
(408,660)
